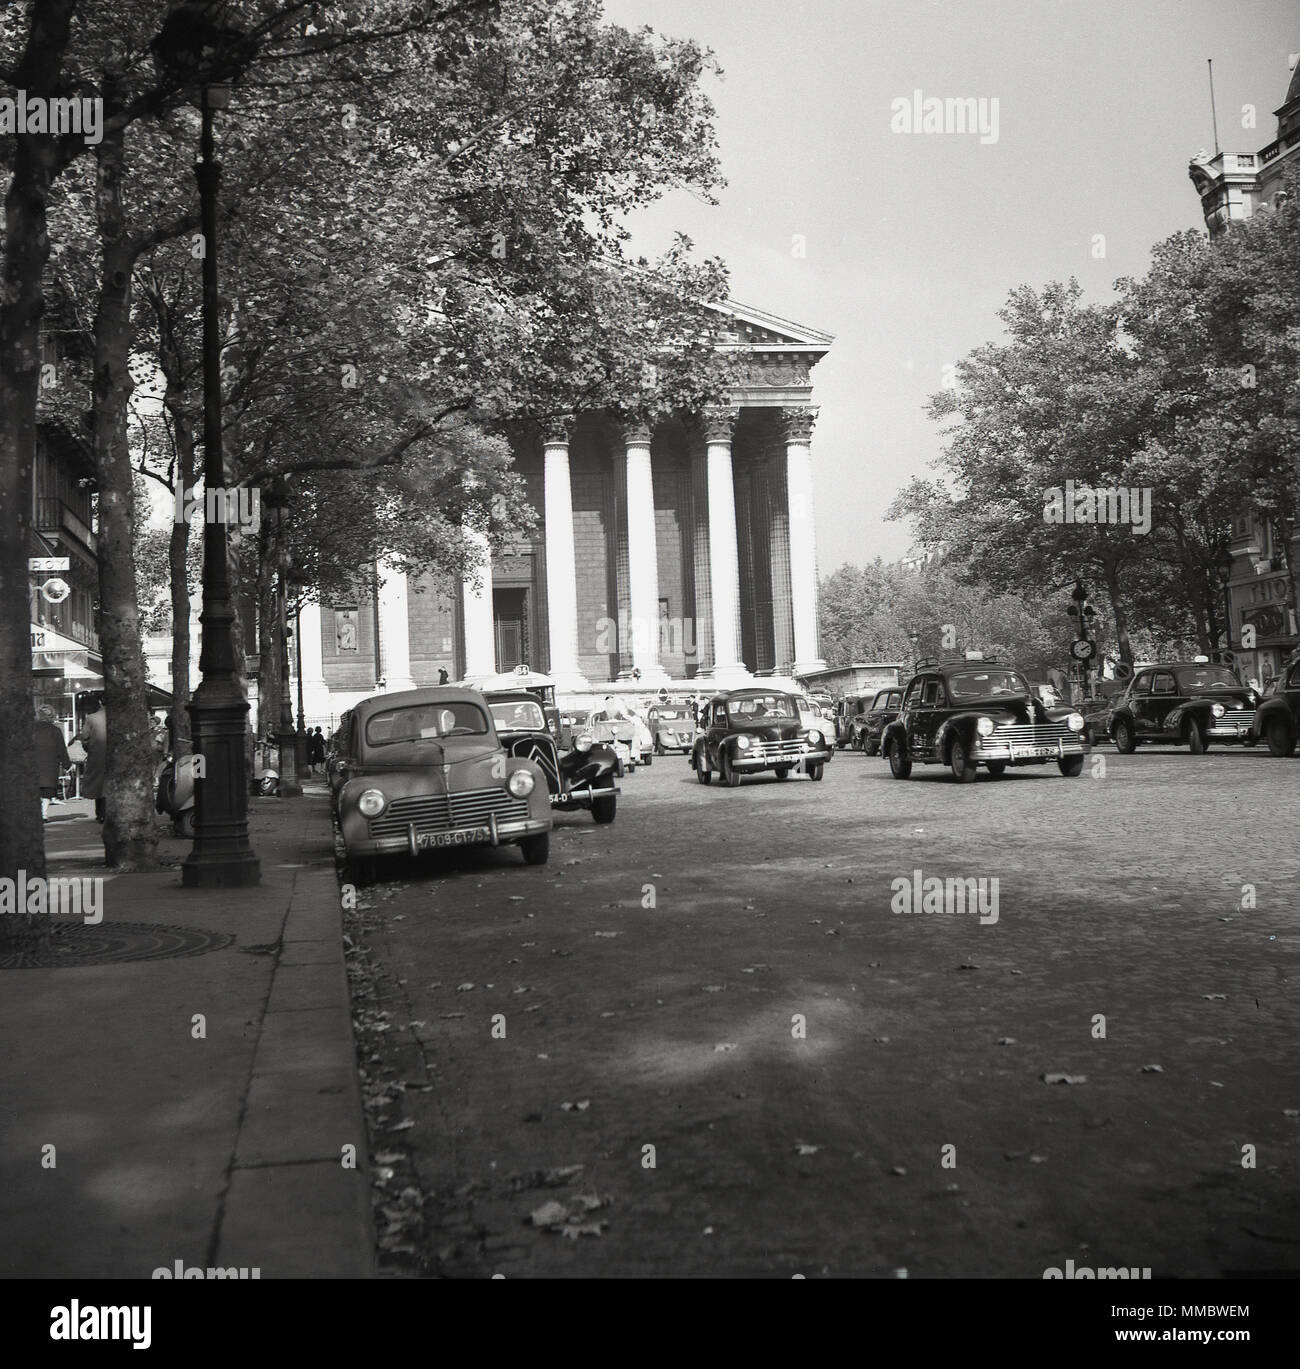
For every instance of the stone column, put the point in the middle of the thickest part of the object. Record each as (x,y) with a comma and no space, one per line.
(480,630)
(642,558)
(394,629)
(724,564)
(561,565)
(803,546)
(315,692)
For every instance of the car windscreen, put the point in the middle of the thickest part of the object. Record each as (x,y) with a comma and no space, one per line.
(1194,679)
(518,716)
(425,722)
(667,713)
(761,706)
(984,684)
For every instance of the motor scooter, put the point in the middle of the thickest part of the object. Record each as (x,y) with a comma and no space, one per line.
(175,793)
(266,769)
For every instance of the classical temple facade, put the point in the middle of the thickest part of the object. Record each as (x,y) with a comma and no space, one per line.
(683,553)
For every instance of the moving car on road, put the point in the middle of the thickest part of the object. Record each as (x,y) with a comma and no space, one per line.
(747,730)
(969,712)
(579,778)
(1277,720)
(424,770)
(671,727)
(1187,703)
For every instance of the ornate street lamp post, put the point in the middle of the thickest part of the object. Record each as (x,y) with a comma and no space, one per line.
(1223,567)
(1084,647)
(199,47)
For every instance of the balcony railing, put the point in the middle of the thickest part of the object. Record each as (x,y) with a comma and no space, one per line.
(53,515)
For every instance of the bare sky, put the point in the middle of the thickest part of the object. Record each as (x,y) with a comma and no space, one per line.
(914,240)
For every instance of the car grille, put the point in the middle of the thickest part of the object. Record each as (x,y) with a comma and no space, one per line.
(1236,717)
(445,812)
(1033,734)
(542,751)
(775,751)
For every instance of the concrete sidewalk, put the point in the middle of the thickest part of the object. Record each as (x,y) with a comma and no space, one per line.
(199,1105)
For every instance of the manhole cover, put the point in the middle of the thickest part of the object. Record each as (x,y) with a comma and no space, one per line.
(80,944)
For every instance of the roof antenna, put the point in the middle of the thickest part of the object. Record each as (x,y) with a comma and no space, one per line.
(1214,118)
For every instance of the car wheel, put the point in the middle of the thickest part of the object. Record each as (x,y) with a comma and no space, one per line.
(871,748)
(816,770)
(1125,742)
(900,763)
(536,850)
(783,772)
(1196,739)
(996,768)
(1279,738)
(647,759)
(964,769)
(618,768)
(728,773)
(269,785)
(362,870)
(1071,766)
(183,823)
(659,747)
(604,808)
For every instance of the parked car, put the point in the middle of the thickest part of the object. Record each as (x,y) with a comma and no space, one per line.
(1277,720)
(583,777)
(971,712)
(1096,719)
(869,727)
(1187,703)
(671,727)
(745,731)
(425,770)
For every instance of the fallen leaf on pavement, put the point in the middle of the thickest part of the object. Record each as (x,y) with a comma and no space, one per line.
(1065,1079)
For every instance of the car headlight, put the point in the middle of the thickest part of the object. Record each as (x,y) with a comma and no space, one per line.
(742,743)
(1075,722)
(521,783)
(814,737)
(984,726)
(372,803)
(584,743)
(1218,710)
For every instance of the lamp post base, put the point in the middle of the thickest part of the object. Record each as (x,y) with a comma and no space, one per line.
(221,857)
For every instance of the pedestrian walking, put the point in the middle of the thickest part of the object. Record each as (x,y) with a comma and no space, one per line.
(94,737)
(315,749)
(442,675)
(51,757)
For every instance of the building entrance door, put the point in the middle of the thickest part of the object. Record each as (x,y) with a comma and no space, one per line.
(510,621)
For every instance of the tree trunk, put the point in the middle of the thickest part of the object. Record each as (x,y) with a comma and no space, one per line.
(268,642)
(1110,574)
(26,250)
(130,836)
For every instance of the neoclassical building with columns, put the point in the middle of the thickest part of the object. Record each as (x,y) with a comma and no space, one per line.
(684,552)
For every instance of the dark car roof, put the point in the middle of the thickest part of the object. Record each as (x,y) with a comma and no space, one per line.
(757,692)
(413,698)
(512,696)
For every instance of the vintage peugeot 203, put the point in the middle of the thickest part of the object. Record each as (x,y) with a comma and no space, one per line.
(580,778)
(969,712)
(747,730)
(425,771)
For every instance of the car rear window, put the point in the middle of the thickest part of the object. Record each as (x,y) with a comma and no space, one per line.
(520,716)
(1196,678)
(425,722)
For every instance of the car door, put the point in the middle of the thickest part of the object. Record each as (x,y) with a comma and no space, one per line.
(1138,703)
(923,718)
(1162,701)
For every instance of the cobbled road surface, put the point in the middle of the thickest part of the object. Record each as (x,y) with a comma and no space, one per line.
(701,1042)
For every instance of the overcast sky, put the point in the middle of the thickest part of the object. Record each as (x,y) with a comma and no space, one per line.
(913,241)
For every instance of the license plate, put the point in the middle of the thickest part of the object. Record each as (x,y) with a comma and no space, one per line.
(1025,752)
(466,836)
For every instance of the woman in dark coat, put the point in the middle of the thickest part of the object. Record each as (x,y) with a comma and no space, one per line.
(51,757)
(94,737)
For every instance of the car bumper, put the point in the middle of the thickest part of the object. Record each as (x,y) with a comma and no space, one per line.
(751,764)
(495,832)
(1028,752)
(1236,732)
(581,795)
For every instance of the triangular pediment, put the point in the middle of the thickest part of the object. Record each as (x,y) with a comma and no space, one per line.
(757,329)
